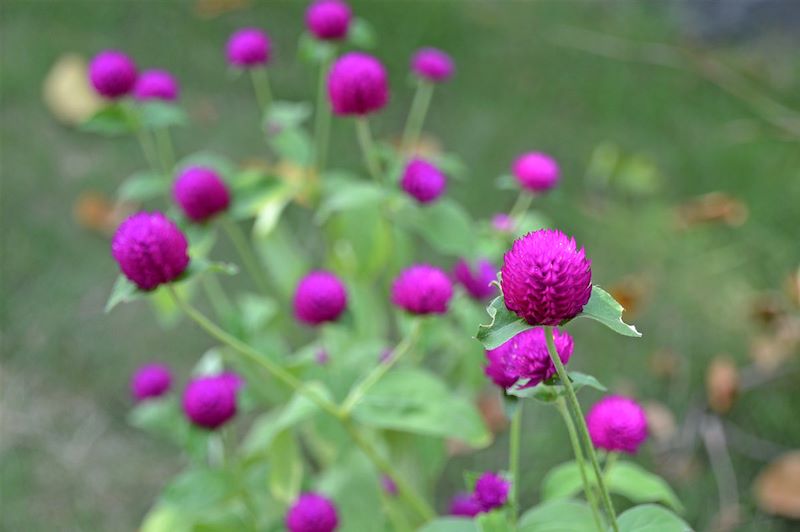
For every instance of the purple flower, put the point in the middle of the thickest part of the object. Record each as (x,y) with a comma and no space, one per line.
(312,513)
(319,297)
(502,222)
(200,193)
(150,380)
(388,485)
(210,401)
(248,48)
(150,250)
(464,505)
(328,20)
(476,282)
(423,181)
(156,85)
(525,355)
(232,379)
(422,289)
(498,369)
(491,491)
(617,423)
(432,64)
(536,171)
(546,279)
(357,84)
(112,73)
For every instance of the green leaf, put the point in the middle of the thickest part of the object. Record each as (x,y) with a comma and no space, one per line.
(156,114)
(414,400)
(605,309)
(123,291)
(361,34)
(558,516)
(200,266)
(163,518)
(220,163)
(286,472)
(349,195)
(269,213)
(113,120)
(283,115)
(504,325)
(450,524)
(506,182)
(314,51)
(250,199)
(292,144)
(651,518)
(197,489)
(564,481)
(495,521)
(143,186)
(579,380)
(545,393)
(445,225)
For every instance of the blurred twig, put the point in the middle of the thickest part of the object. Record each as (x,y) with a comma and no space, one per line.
(716,445)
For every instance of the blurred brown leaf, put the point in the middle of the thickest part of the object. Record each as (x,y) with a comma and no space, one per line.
(94,211)
(715,207)
(722,384)
(665,363)
(630,291)
(660,421)
(67,93)
(490,406)
(766,309)
(215,8)
(426,146)
(305,180)
(770,351)
(778,486)
(793,287)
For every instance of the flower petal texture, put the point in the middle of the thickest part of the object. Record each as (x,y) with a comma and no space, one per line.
(617,424)
(150,381)
(112,74)
(328,20)
(210,401)
(476,279)
(200,193)
(525,356)
(249,47)
(536,171)
(357,85)
(156,85)
(422,289)
(433,65)
(464,505)
(423,181)
(312,512)
(491,491)
(320,297)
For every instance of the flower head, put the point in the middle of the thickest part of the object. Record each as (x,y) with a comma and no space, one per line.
(476,281)
(502,222)
(112,73)
(464,505)
(156,85)
(248,48)
(498,369)
(150,380)
(328,20)
(423,181)
(432,64)
(312,512)
(210,401)
(357,84)
(525,356)
(150,250)
(536,171)
(491,491)
(546,280)
(319,297)
(617,423)
(422,289)
(201,193)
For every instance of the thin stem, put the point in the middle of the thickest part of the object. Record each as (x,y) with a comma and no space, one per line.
(521,206)
(416,115)
(261,87)
(576,449)
(514,438)
(367,147)
(572,399)
(245,252)
(219,300)
(611,459)
(146,143)
(322,125)
(166,152)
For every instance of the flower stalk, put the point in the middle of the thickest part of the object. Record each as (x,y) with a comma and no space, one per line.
(416,116)
(367,145)
(261,87)
(514,439)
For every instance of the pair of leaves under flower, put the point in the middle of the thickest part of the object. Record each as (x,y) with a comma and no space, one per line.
(552,389)
(122,118)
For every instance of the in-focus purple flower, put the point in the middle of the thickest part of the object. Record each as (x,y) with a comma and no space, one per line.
(156,85)
(388,485)
(328,20)
(491,491)
(112,74)
(312,512)
(502,222)
(320,297)
(357,84)
(210,401)
(536,171)
(432,64)
(476,280)
(150,249)
(617,423)
(546,280)
(423,181)
(200,193)
(498,369)
(525,356)
(464,505)
(150,380)
(422,289)
(248,48)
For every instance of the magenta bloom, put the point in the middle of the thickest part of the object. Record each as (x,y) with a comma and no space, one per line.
(210,401)
(319,297)
(423,181)
(150,380)
(156,85)
(502,222)
(312,513)
(328,20)
(476,281)
(498,369)
(388,485)
(536,171)
(464,505)
(248,48)
(150,249)
(112,73)
(422,289)
(357,84)
(201,193)
(617,423)
(525,355)
(491,491)
(432,64)
(546,279)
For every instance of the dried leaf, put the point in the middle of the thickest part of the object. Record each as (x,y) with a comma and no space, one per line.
(778,486)
(665,363)
(630,293)
(95,211)
(770,351)
(215,8)
(67,93)
(660,421)
(722,384)
(426,146)
(766,309)
(715,207)
(491,408)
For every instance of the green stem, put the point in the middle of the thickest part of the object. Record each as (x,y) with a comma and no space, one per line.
(260,81)
(416,116)
(367,147)
(146,143)
(521,206)
(576,448)
(611,459)
(219,300)
(166,152)
(322,125)
(572,399)
(244,250)
(514,438)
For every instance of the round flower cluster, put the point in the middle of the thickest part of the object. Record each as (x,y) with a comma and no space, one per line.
(617,424)
(328,20)
(476,281)
(249,48)
(525,357)
(423,181)
(491,492)
(112,74)
(210,401)
(537,172)
(357,85)
(200,193)
(422,289)
(156,85)
(320,297)
(432,65)
(312,512)
(150,381)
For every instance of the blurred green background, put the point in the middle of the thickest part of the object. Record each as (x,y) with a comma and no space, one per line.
(638,135)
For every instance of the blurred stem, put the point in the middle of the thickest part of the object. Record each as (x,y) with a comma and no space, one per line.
(216,295)
(245,252)
(165,150)
(513,459)
(367,147)
(416,116)
(148,150)
(576,449)
(611,459)
(322,125)
(572,400)
(521,206)
(260,81)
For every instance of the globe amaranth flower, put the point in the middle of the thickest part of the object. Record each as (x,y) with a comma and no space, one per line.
(312,512)
(248,48)
(464,505)
(357,85)
(422,289)
(150,250)
(476,280)
(432,64)
(210,401)
(150,380)
(156,85)
(546,280)
(498,368)
(491,491)
(200,193)
(328,20)
(536,171)
(525,356)
(320,297)
(502,222)
(423,181)
(617,423)
(112,74)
